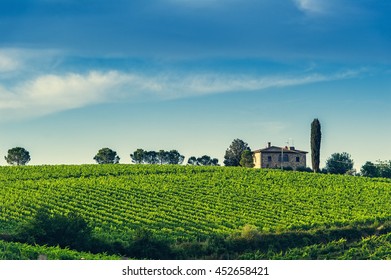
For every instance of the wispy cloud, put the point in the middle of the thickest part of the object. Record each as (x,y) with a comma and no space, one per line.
(28,60)
(314,6)
(47,94)
(8,63)
(51,93)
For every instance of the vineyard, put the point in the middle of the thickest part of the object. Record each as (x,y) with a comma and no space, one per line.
(20,251)
(190,204)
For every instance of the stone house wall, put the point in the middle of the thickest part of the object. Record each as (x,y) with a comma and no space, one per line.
(272,160)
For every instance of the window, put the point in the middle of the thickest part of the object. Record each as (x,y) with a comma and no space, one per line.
(286,159)
(297,159)
(269,158)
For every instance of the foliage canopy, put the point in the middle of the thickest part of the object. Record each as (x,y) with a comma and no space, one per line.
(246,159)
(233,154)
(106,156)
(141,156)
(17,156)
(203,161)
(339,163)
(378,169)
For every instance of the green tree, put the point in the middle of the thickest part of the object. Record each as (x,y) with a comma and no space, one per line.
(370,169)
(378,169)
(214,162)
(339,163)
(192,161)
(208,161)
(203,161)
(163,157)
(247,159)
(174,157)
(138,156)
(384,168)
(106,156)
(151,157)
(233,154)
(17,156)
(316,136)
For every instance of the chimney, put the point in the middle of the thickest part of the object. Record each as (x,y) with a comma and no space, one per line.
(291,148)
(269,144)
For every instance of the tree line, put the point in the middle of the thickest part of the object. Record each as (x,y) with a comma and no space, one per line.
(380,169)
(20,156)
(141,156)
(237,154)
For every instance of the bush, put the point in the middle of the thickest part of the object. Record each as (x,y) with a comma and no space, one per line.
(146,246)
(249,233)
(304,169)
(217,247)
(69,230)
(287,168)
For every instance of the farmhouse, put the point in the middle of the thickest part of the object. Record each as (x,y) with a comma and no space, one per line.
(274,157)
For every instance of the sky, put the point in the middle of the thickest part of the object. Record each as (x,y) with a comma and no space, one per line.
(193,75)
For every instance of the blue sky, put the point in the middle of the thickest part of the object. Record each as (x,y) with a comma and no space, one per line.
(76,76)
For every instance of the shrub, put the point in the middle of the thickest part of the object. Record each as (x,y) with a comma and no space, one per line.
(287,168)
(144,245)
(69,230)
(304,169)
(249,232)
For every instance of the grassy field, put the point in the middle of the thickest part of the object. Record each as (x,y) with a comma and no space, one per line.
(207,212)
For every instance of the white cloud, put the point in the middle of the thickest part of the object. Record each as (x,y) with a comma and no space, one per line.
(15,61)
(8,63)
(314,6)
(53,93)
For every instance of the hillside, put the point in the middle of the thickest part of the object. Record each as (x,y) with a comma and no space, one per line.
(183,204)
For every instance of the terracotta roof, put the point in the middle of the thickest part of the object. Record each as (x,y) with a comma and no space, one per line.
(274,149)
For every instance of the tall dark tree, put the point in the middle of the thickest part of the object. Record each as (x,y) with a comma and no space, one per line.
(106,155)
(316,136)
(17,156)
(233,154)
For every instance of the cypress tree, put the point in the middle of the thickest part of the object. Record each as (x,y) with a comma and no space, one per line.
(316,136)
